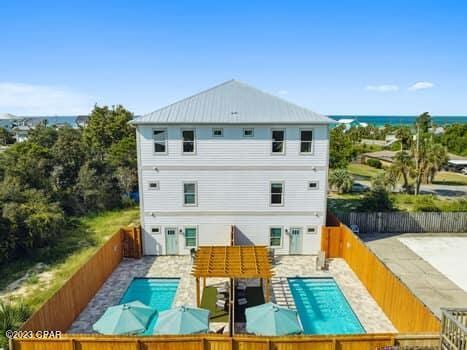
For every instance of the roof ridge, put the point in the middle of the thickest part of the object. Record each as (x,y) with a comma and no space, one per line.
(188,98)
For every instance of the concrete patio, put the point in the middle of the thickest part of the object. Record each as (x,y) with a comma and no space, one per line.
(369,313)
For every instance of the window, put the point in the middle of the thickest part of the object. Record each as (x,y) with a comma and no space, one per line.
(277,193)
(155,230)
(275,236)
(278,145)
(189,193)
(154,185)
(188,137)
(312,185)
(160,140)
(217,132)
(248,132)
(190,237)
(311,229)
(306,141)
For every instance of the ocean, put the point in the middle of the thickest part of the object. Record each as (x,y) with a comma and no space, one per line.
(377,120)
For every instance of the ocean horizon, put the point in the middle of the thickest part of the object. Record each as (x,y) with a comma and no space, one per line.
(376,120)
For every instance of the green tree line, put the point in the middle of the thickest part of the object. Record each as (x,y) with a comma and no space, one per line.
(60,173)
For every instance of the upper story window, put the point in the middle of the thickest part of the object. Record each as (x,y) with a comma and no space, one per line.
(278,141)
(248,132)
(160,140)
(306,141)
(277,193)
(189,193)
(217,132)
(189,142)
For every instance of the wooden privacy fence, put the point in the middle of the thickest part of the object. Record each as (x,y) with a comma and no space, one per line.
(131,242)
(208,342)
(59,312)
(404,309)
(405,222)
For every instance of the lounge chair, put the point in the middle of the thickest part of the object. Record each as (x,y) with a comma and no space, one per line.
(242,301)
(241,286)
(221,304)
(220,296)
(321,263)
(224,289)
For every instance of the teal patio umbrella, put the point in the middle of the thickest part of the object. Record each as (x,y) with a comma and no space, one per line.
(272,319)
(182,320)
(130,318)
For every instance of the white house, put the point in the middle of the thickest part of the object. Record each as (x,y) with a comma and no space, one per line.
(232,155)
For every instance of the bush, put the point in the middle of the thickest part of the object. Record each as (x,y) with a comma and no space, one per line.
(377,199)
(12,316)
(375,163)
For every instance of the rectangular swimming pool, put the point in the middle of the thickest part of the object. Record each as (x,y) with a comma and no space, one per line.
(322,307)
(158,293)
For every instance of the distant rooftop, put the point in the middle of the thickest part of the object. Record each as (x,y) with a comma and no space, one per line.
(233,102)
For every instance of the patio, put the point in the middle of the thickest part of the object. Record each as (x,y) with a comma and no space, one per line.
(369,313)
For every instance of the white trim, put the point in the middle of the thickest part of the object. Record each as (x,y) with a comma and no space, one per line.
(313,182)
(282,236)
(153,188)
(194,141)
(312,152)
(166,142)
(282,195)
(252,132)
(271,212)
(196,193)
(236,167)
(222,132)
(283,142)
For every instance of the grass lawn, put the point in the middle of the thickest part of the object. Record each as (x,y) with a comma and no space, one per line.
(402,202)
(450,178)
(208,302)
(63,257)
(363,171)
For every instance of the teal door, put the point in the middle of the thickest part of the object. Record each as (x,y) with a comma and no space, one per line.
(171,241)
(295,241)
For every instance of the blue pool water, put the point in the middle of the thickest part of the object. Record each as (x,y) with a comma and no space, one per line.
(157,293)
(322,307)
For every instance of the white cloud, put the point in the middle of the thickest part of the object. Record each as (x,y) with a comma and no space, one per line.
(282,92)
(29,99)
(421,85)
(383,88)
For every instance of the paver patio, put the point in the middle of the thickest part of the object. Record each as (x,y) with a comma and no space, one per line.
(369,313)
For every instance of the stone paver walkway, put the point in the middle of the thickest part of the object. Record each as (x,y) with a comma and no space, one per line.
(370,315)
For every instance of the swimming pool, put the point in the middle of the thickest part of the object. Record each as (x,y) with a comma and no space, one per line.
(322,307)
(158,293)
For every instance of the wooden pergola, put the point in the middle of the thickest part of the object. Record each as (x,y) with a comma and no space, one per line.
(232,262)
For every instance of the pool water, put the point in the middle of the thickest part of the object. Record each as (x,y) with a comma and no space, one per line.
(158,293)
(322,307)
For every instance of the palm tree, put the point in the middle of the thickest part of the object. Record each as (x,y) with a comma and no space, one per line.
(437,157)
(402,166)
(340,180)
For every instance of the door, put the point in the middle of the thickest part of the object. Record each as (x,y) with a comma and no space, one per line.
(295,241)
(171,241)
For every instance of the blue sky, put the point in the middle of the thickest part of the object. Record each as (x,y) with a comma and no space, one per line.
(335,57)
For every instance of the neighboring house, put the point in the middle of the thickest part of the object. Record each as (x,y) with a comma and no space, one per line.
(349,123)
(232,155)
(385,157)
(82,120)
(21,132)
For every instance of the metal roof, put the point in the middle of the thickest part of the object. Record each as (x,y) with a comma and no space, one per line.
(232,102)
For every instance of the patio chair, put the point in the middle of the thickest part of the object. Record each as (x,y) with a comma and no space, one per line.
(221,304)
(241,286)
(224,289)
(321,263)
(192,254)
(221,296)
(355,229)
(242,301)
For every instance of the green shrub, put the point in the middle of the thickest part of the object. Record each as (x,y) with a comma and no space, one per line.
(12,316)
(375,163)
(425,203)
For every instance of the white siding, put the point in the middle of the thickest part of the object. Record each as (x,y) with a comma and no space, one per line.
(234,149)
(233,175)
